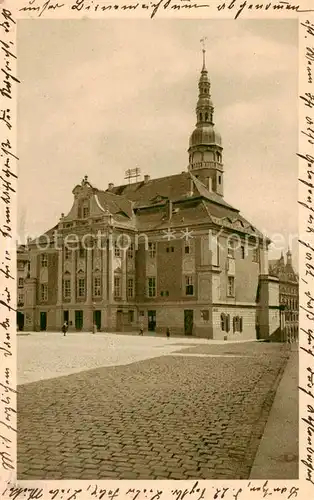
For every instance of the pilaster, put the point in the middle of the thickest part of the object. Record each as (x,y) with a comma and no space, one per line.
(124,274)
(60,277)
(110,275)
(104,273)
(89,269)
(73,277)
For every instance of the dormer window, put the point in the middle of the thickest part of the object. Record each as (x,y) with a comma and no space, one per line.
(83,209)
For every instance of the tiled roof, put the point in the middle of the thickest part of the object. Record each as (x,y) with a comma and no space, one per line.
(115,203)
(186,214)
(172,187)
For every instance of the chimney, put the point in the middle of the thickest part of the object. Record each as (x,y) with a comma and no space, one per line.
(169,209)
(110,186)
(146,178)
(191,192)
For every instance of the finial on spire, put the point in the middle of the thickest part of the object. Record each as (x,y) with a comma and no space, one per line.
(203,40)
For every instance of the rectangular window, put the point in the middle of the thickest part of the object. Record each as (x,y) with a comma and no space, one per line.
(152,250)
(189,285)
(97,286)
(117,251)
(231,249)
(67,253)
(67,289)
(242,252)
(152,287)
(187,249)
(44,260)
(130,288)
(255,255)
(117,287)
(81,287)
(131,251)
(21,281)
(230,286)
(20,266)
(20,298)
(44,292)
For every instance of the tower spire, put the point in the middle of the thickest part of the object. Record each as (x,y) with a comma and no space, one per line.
(203,40)
(205,148)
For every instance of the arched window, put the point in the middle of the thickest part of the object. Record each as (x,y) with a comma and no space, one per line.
(201,117)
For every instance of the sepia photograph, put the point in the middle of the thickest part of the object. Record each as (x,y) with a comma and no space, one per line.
(157,259)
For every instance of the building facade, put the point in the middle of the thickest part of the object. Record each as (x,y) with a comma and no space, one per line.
(166,253)
(288,295)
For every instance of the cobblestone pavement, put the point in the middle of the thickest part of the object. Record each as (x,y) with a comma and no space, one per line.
(48,355)
(170,417)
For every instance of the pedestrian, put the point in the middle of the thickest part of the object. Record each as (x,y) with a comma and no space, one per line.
(168,333)
(94,328)
(141,326)
(65,328)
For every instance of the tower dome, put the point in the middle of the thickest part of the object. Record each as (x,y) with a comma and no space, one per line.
(205,135)
(205,144)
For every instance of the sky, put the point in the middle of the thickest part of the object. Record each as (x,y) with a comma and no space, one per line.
(98,97)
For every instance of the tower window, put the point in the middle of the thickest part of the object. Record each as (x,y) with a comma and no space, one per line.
(219,179)
(189,285)
(206,117)
(201,117)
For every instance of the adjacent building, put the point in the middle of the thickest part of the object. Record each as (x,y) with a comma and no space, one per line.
(165,252)
(288,295)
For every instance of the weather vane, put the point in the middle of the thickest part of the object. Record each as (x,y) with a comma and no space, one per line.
(203,42)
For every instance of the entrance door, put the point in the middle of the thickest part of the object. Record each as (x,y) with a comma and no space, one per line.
(151,315)
(78,320)
(66,316)
(97,319)
(43,321)
(119,323)
(20,320)
(188,321)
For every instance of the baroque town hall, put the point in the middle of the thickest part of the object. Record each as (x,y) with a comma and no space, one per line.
(192,262)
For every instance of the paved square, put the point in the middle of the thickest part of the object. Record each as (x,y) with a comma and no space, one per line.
(162,416)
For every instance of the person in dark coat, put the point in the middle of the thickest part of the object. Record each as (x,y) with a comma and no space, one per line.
(65,328)
(168,333)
